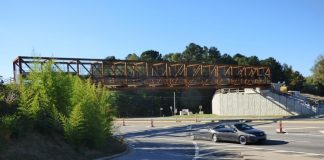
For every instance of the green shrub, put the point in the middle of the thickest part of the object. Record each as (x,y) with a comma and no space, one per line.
(11,126)
(74,126)
(4,132)
(55,101)
(97,111)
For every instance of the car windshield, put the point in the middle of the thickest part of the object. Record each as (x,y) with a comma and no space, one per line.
(243,127)
(219,127)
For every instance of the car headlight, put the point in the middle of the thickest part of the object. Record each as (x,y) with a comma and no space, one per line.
(261,134)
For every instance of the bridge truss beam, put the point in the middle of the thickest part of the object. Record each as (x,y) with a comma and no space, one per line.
(126,74)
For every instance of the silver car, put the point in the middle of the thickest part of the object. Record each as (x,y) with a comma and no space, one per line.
(231,132)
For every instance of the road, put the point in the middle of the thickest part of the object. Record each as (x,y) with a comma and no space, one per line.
(171,140)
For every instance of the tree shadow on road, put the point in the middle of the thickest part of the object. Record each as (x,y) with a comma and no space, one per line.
(270,142)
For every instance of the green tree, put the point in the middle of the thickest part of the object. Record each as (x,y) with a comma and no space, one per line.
(214,55)
(194,53)
(1,81)
(151,55)
(315,84)
(243,60)
(318,70)
(110,58)
(168,57)
(227,59)
(287,72)
(276,69)
(240,59)
(253,61)
(132,57)
(293,79)
(173,57)
(297,81)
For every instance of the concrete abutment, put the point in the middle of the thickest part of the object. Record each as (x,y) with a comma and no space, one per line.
(256,102)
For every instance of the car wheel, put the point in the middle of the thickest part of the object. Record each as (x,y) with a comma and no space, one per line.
(242,140)
(214,138)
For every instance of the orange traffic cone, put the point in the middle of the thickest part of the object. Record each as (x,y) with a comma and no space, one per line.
(280,129)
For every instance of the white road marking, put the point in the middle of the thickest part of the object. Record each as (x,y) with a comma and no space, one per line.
(287,127)
(296,152)
(304,134)
(164,148)
(268,149)
(196,150)
(297,134)
(302,127)
(160,138)
(281,151)
(263,127)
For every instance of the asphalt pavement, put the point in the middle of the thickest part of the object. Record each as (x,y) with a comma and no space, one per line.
(304,140)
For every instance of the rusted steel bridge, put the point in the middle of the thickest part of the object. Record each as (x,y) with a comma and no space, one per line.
(127,74)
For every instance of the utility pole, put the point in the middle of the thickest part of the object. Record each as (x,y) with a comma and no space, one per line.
(174,103)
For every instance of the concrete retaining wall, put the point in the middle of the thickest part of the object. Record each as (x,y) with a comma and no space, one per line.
(260,103)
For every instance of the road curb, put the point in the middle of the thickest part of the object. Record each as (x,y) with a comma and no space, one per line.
(312,122)
(127,151)
(219,120)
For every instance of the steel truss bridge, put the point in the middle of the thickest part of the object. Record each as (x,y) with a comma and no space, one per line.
(128,74)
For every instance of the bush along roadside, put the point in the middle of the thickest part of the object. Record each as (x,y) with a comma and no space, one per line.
(55,102)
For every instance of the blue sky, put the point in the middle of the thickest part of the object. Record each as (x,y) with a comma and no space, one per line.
(292,31)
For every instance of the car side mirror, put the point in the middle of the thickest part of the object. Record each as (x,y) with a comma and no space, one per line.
(234,130)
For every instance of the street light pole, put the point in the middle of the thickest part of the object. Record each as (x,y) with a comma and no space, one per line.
(174,103)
